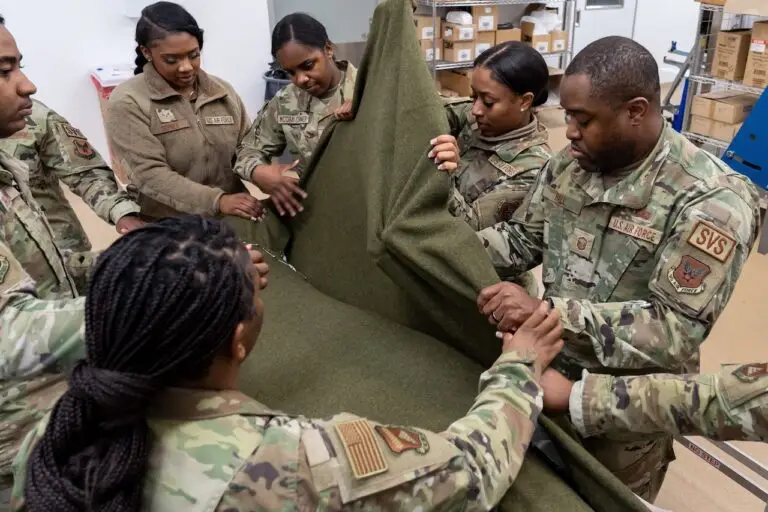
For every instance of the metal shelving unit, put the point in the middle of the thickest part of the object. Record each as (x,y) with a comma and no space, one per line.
(711,19)
(568,24)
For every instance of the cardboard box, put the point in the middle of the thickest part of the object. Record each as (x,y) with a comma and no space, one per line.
(459,51)
(449,93)
(756,73)
(540,42)
(459,81)
(731,54)
(486,17)
(712,2)
(735,109)
(425,30)
(725,132)
(751,7)
(484,41)
(454,33)
(703,105)
(428,51)
(701,125)
(558,40)
(509,34)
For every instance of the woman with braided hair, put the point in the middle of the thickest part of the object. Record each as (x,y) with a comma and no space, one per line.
(152,419)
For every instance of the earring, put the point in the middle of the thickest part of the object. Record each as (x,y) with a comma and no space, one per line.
(241,352)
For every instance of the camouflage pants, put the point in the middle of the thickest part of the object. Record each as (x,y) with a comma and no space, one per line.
(640,461)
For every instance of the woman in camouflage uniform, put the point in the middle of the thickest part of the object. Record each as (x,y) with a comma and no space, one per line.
(501,145)
(297,116)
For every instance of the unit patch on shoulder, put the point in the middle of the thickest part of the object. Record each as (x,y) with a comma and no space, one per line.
(400,440)
(363,452)
(749,373)
(713,241)
(5,266)
(72,132)
(688,276)
(84,149)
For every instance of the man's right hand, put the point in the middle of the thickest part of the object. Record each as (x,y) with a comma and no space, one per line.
(542,332)
(283,190)
(242,205)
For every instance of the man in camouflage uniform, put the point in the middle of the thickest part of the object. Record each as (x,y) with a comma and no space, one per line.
(54,150)
(41,320)
(729,405)
(641,234)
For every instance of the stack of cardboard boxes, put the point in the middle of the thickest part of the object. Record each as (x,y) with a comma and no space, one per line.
(743,55)
(720,114)
(463,43)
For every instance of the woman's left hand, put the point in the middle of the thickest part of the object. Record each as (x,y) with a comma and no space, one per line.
(344,112)
(445,153)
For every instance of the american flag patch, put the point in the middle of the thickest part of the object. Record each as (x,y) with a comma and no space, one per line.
(365,456)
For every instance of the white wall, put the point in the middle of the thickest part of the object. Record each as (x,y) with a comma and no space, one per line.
(62,39)
(659,22)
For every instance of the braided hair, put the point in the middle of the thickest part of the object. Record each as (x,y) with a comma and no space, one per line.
(157,22)
(164,301)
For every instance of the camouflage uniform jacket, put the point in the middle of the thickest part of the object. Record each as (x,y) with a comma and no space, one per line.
(293,119)
(729,405)
(177,152)
(641,271)
(495,174)
(223,451)
(54,150)
(39,338)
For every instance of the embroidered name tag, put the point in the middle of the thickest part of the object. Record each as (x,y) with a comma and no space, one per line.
(646,234)
(293,119)
(171,127)
(220,120)
(712,241)
(582,242)
(688,277)
(363,452)
(72,132)
(505,167)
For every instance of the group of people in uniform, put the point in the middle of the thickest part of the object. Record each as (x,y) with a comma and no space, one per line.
(104,406)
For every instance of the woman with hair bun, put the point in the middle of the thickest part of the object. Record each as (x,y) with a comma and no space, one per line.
(501,145)
(175,129)
(297,116)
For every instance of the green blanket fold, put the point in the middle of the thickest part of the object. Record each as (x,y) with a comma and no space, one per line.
(394,277)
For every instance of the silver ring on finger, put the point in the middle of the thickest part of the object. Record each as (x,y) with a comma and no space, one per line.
(493,315)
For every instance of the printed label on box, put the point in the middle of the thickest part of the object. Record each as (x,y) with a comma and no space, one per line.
(559,45)
(758,46)
(486,23)
(431,54)
(465,55)
(428,33)
(466,33)
(448,33)
(542,47)
(480,48)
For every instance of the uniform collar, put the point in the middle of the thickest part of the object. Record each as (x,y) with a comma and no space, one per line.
(159,89)
(634,191)
(12,170)
(198,404)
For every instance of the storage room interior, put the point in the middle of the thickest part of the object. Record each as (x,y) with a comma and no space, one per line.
(75,51)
